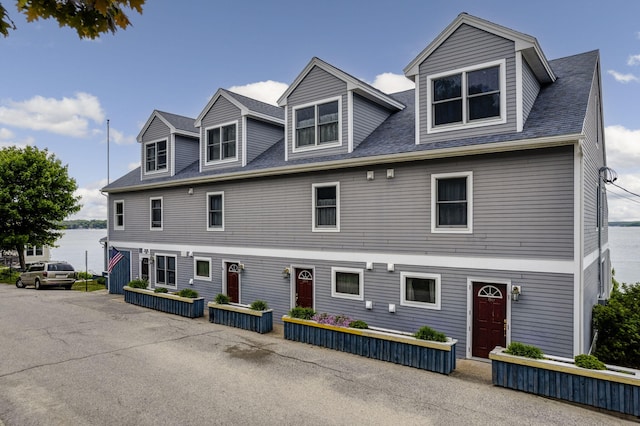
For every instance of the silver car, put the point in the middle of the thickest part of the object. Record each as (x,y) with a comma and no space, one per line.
(58,274)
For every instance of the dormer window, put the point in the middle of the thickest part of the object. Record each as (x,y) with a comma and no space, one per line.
(222,143)
(469,97)
(155,156)
(317,125)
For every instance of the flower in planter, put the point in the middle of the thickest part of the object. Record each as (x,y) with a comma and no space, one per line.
(335,320)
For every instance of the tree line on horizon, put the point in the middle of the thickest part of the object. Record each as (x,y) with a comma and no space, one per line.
(84,224)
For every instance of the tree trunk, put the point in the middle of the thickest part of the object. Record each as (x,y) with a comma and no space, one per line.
(20,251)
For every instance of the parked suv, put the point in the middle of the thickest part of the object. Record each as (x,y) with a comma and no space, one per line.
(60,274)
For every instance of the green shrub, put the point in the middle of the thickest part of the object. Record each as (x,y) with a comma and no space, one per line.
(187,292)
(101,280)
(222,299)
(618,325)
(8,275)
(589,361)
(138,284)
(302,313)
(428,333)
(84,275)
(527,351)
(259,305)
(160,290)
(358,324)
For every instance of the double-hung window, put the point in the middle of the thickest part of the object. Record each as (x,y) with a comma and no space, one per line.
(326,207)
(317,125)
(156,213)
(222,143)
(420,290)
(468,97)
(118,215)
(452,202)
(166,271)
(34,251)
(347,283)
(155,156)
(215,211)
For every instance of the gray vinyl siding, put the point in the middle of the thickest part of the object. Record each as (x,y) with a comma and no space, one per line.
(221,112)
(522,208)
(590,292)
(186,151)
(317,86)
(157,130)
(367,116)
(260,137)
(468,46)
(530,90)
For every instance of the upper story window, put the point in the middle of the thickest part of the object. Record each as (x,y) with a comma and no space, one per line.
(317,125)
(326,207)
(469,97)
(34,251)
(118,214)
(215,211)
(222,143)
(155,156)
(452,202)
(156,213)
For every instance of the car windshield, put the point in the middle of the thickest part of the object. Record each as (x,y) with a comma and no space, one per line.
(59,267)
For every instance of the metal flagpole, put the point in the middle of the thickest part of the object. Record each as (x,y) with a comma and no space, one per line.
(108,247)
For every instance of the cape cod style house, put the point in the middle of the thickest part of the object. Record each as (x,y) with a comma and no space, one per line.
(469,204)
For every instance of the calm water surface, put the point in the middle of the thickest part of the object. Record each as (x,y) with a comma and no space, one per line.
(624,243)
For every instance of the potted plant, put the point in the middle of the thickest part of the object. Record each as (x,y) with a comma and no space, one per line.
(185,303)
(344,334)
(255,317)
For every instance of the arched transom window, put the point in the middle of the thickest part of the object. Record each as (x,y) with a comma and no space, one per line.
(490,292)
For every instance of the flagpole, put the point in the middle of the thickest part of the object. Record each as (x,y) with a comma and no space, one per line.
(108,243)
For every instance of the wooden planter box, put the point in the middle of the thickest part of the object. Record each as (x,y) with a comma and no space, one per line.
(241,317)
(397,348)
(559,378)
(170,303)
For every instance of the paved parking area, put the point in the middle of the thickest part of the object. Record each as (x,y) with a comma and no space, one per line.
(71,358)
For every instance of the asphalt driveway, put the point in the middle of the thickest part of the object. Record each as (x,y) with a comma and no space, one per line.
(72,358)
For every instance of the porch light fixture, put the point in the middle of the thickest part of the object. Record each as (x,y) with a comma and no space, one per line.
(516,291)
(286,272)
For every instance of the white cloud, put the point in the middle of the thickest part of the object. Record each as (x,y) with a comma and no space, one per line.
(623,78)
(266,91)
(623,155)
(391,83)
(5,134)
(120,138)
(133,166)
(622,205)
(66,116)
(633,60)
(94,204)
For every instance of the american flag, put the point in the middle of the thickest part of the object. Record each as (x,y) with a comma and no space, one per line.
(114,257)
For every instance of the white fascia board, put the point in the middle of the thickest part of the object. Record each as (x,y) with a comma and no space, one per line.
(221,92)
(154,114)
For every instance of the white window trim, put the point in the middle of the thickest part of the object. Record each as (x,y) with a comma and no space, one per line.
(115,215)
(197,259)
(212,228)
(144,157)
(335,293)
(434,192)
(422,305)
(155,270)
(314,228)
(294,147)
(206,144)
(502,63)
(151,199)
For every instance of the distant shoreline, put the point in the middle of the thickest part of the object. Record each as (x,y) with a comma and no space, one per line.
(624,223)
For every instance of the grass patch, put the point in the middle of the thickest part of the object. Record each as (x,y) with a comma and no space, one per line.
(92,285)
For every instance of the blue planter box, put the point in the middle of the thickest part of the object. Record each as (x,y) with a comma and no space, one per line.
(397,348)
(241,317)
(170,303)
(611,390)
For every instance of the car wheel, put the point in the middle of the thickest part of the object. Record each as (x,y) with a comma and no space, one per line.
(38,286)
(19,283)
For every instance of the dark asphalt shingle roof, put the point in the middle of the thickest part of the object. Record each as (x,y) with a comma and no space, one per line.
(559,109)
(255,105)
(180,122)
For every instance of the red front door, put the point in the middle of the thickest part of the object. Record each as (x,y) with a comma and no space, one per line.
(304,288)
(489,318)
(233,282)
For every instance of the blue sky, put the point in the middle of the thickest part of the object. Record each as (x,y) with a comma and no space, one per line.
(57,91)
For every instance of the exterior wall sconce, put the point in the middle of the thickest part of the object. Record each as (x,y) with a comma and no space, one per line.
(241,266)
(369,266)
(190,191)
(286,272)
(368,304)
(370,175)
(190,281)
(516,291)
(390,267)
(391,173)
(392,308)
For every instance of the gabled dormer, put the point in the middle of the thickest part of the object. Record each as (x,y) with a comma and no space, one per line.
(235,129)
(476,78)
(169,143)
(328,111)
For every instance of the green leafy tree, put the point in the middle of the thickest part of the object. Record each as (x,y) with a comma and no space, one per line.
(36,194)
(618,325)
(90,18)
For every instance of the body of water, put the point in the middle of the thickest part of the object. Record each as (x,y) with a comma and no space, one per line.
(74,243)
(623,241)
